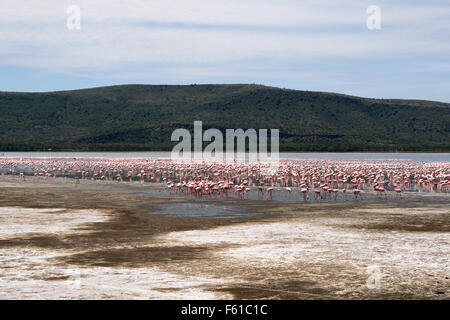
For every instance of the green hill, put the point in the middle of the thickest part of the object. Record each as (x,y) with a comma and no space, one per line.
(142,117)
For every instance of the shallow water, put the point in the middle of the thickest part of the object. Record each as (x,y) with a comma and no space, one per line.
(201,210)
(417,157)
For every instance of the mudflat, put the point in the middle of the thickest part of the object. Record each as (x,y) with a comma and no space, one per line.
(62,239)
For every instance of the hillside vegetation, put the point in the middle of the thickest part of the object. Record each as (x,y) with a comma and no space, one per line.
(142,117)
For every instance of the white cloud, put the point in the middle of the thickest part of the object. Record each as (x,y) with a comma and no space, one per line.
(115,34)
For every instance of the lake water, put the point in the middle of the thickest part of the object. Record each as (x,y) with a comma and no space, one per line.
(417,157)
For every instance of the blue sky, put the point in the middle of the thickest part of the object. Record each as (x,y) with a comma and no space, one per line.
(320,45)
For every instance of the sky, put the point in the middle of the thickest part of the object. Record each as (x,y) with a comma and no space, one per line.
(319,45)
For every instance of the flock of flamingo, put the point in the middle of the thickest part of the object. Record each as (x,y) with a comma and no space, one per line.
(313,179)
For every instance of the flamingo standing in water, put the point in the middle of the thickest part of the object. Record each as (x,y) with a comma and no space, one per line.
(269,192)
(304,191)
(317,194)
(205,179)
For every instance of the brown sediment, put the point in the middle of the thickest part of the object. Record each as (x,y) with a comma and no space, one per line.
(138,256)
(129,222)
(133,238)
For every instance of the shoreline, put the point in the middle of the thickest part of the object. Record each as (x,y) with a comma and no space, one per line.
(169,151)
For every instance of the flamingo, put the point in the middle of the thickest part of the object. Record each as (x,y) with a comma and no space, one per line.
(269,192)
(208,179)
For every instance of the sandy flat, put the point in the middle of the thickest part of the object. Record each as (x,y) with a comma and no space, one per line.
(27,273)
(114,241)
